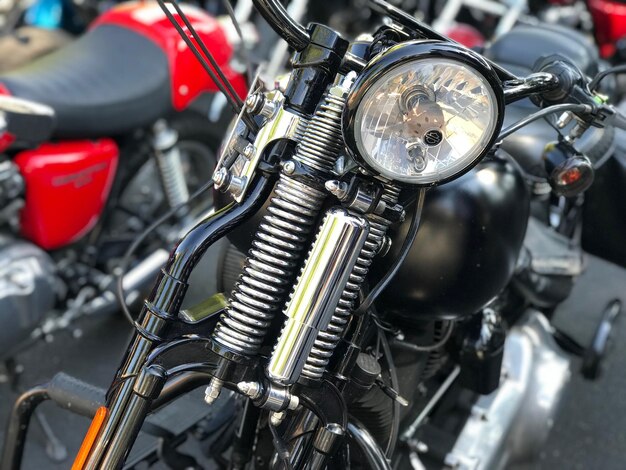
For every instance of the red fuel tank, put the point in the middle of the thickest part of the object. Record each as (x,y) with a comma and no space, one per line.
(189,79)
(67,185)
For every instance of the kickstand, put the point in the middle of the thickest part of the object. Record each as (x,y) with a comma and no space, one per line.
(593,356)
(596,352)
(55,449)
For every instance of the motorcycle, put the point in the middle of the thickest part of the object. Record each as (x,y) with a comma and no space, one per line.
(95,144)
(386,223)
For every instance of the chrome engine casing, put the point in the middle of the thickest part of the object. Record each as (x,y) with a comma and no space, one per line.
(27,290)
(511,425)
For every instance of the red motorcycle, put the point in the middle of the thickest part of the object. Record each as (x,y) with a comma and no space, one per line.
(98,138)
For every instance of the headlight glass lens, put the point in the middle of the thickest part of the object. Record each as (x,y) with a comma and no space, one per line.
(426,120)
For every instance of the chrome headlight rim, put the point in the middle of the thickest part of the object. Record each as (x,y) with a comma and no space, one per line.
(414,51)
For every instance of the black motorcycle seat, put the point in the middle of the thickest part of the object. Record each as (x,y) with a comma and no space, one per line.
(108,82)
(521,47)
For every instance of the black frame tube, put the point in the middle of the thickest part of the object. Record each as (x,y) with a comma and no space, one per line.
(285,26)
(162,306)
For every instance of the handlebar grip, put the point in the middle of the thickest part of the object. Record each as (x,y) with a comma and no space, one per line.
(73,394)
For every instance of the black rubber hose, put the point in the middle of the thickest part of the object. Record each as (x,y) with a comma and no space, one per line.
(406,247)
(395,384)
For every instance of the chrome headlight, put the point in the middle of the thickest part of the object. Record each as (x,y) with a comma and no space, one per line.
(424,112)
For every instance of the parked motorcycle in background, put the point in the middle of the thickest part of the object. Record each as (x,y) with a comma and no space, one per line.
(97,144)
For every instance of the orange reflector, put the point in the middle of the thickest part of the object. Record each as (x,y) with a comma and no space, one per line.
(90,438)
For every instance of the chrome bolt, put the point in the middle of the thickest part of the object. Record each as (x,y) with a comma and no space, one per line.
(337,189)
(250,389)
(236,185)
(268,108)
(248,152)
(220,177)
(253,101)
(289,167)
(277,417)
(564,119)
(212,392)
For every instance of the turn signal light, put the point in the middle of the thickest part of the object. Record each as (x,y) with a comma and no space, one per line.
(569,172)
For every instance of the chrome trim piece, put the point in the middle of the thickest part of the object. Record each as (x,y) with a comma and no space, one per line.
(281,124)
(317,292)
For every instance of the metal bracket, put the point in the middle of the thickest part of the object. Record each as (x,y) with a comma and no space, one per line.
(280,123)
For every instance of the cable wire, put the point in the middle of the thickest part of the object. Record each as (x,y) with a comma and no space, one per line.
(404,251)
(605,73)
(395,384)
(215,73)
(125,263)
(557,108)
(426,348)
(207,54)
(244,51)
(280,446)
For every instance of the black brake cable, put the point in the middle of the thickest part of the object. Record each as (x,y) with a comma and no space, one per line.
(207,53)
(237,26)
(236,107)
(557,108)
(216,75)
(125,263)
(404,251)
(605,73)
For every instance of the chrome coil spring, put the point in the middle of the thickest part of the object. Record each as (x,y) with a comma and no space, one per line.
(282,237)
(169,164)
(270,267)
(173,176)
(322,140)
(327,340)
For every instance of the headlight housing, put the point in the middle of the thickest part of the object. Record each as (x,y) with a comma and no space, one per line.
(424,113)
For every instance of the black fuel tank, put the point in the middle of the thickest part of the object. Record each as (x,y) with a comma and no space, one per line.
(467,246)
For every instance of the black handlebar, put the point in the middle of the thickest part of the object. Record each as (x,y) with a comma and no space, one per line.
(290,30)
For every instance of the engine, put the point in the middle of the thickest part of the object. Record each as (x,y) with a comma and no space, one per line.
(27,290)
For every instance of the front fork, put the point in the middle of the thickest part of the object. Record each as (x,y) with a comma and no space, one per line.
(144,371)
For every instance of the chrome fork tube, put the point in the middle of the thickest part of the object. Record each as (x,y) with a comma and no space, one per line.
(317,292)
